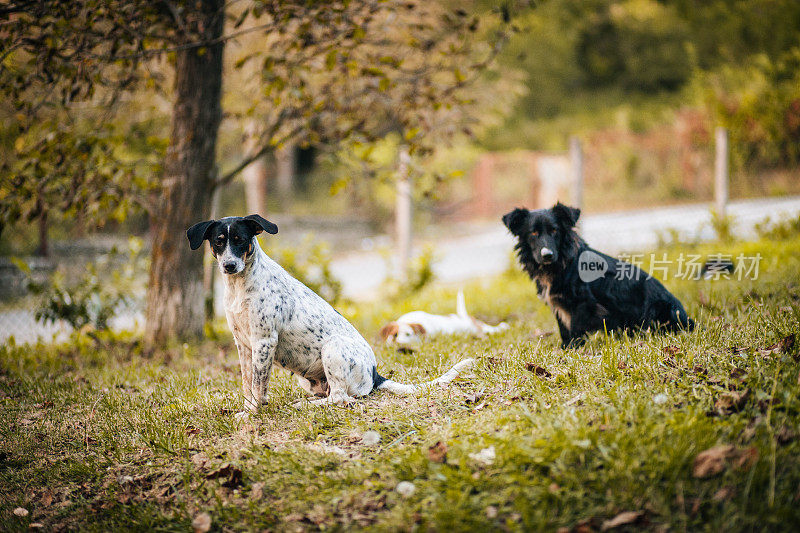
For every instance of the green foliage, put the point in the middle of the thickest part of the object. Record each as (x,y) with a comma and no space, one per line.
(759,103)
(779,230)
(310,262)
(625,62)
(48,175)
(639,44)
(722,226)
(109,286)
(419,274)
(420,271)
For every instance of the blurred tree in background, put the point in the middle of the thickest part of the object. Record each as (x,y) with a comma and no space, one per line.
(338,70)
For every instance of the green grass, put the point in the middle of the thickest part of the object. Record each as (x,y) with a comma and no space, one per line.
(120,437)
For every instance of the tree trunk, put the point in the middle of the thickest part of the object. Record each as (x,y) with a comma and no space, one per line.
(175,290)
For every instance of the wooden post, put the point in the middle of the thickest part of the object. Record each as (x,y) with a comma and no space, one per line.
(254,174)
(284,176)
(721,172)
(403,213)
(576,164)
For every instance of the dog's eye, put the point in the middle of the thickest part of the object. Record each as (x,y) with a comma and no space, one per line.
(535,233)
(237,239)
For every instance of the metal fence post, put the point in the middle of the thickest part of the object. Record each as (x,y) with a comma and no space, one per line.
(721,172)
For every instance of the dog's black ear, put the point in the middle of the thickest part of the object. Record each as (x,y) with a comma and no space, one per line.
(566,215)
(515,220)
(259,224)
(198,233)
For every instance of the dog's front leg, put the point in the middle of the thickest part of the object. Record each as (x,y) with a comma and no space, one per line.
(246,366)
(263,356)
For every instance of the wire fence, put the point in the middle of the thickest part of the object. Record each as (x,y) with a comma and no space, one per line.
(485,252)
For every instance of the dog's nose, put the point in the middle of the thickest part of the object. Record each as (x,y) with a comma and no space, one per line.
(547,253)
(230,268)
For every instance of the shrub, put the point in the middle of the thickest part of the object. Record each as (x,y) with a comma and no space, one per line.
(759,104)
(109,286)
(310,262)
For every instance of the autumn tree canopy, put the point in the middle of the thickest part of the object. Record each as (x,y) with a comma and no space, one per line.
(72,75)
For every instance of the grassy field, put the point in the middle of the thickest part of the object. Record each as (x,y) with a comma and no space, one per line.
(112,436)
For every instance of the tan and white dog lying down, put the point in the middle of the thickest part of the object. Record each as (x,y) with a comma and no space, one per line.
(411,328)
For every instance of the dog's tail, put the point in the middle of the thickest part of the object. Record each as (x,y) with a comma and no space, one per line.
(405,388)
(461,305)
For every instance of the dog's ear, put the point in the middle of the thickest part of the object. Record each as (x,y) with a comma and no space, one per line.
(419,329)
(257,224)
(198,233)
(515,220)
(567,215)
(390,329)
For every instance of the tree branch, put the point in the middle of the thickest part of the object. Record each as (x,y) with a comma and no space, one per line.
(186,46)
(225,179)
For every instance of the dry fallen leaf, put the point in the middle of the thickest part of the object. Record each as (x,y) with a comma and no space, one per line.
(711,462)
(438,452)
(624,518)
(746,458)
(317,515)
(723,494)
(21,511)
(784,345)
(731,401)
(257,491)
(47,498)
(293,517)
(201,523)
(231,474)
(737,373)
(538,370)
(199,460)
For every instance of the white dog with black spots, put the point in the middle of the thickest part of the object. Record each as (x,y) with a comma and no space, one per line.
(277,320)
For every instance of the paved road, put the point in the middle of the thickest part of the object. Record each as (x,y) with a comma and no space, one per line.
(487,251)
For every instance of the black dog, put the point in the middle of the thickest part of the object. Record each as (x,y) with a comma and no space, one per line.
(588,291)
